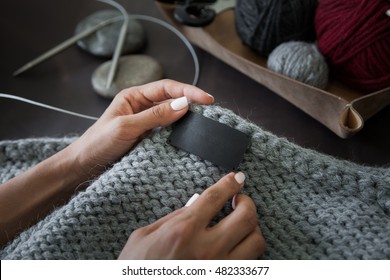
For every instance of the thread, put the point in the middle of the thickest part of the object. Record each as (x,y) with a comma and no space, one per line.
(354,36)
(301,61)
(265,24)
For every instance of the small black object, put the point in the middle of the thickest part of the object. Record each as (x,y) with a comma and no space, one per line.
(210,140)
(194,13)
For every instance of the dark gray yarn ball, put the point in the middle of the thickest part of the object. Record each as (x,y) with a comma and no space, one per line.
(300,61)
(265,24)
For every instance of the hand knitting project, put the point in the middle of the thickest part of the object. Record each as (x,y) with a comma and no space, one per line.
(310,205)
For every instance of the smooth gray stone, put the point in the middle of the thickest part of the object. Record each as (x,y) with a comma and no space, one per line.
(133,70)
(103,41)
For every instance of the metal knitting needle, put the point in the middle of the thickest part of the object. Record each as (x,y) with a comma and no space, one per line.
(121,39)
(64,45)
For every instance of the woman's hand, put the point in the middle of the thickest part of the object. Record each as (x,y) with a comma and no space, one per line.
(133,112)
(31,195)
(185,233)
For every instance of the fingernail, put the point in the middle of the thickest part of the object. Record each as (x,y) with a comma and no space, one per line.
(192,200)
(211,96)
(234,202)
(239,177)
(179,103)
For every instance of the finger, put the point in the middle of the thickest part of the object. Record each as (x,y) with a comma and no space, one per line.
(232,229)
(159,115)
(191,200)
(211,201)
(166,89)
(145,96)
(252,247)
(157,224)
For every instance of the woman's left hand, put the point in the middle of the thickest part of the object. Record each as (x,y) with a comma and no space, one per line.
(133,112)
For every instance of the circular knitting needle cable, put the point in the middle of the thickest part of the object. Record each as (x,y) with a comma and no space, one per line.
(183,38)
(25,100)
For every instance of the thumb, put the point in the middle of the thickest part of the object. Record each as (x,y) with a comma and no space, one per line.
(161,115)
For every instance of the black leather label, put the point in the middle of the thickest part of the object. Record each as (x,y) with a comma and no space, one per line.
(210,140)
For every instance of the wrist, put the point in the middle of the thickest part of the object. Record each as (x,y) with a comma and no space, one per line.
(70,167)
(31,195)
(82,162)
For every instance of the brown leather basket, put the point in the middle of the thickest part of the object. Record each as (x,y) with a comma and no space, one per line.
(338,107)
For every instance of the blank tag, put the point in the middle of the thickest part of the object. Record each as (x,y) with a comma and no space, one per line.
(210,140)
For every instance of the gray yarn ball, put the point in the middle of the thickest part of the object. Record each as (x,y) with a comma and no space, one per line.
(300,61)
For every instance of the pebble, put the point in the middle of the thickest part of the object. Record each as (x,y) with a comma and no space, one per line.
(103,41)
(133,70)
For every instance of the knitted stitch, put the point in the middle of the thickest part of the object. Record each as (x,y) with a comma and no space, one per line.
(309,205)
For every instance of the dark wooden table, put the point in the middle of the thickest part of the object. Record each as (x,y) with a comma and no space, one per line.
(29,28)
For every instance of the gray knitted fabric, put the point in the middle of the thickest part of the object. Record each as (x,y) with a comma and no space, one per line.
(310,206)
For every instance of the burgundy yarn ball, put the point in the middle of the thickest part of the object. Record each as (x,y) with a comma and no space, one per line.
(354,36)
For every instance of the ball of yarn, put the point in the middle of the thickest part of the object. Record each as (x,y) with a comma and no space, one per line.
(265,24)
(354,36)
(301,61)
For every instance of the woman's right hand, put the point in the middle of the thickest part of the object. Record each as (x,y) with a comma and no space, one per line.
(186,234)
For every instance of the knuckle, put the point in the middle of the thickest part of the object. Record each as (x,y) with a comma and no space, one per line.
(214,195)
(246,201)
(118,126)
(259,243)
(181,232)
(123,94)
(248,216)
(171,88)
(168,82)
(139,233)
(158,112)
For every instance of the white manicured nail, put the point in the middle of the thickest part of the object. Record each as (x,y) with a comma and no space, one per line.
(240,177)
(234,202)
(179,103)
(388,13)
(192,199)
